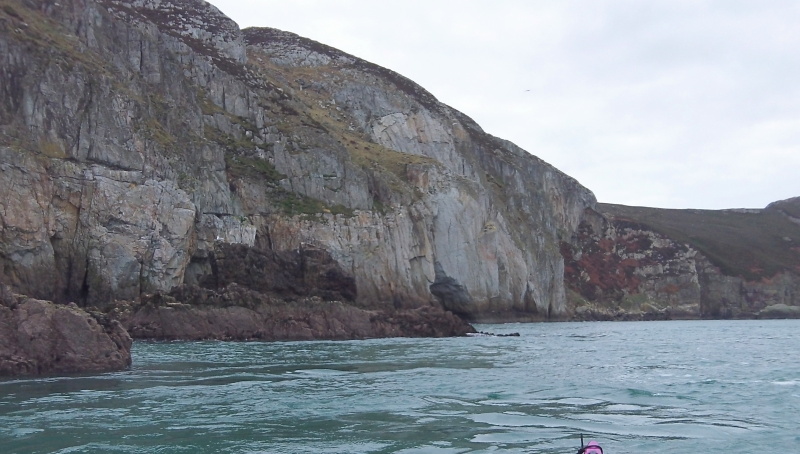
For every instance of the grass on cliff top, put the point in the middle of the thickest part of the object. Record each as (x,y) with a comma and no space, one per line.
(312,108)
(750,245)
(790,207)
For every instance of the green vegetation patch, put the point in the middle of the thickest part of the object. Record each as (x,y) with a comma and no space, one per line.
(634,301)
(208,107)
(238,163)
(293,204)
(371,155)
(310,108)
(244,166)
(52,149)
(156,131)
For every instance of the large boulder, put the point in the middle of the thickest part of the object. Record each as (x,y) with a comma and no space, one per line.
(41,338)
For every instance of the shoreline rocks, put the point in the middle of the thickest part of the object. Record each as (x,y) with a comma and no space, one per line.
(42,338)
(238,313)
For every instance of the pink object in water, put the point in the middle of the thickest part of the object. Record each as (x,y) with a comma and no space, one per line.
(592,448)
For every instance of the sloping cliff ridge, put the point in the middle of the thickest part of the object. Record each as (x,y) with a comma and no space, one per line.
(647,263)
(140,137)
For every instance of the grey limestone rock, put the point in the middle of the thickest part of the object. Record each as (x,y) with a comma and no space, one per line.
(148,134)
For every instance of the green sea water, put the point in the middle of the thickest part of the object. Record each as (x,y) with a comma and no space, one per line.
(676,387)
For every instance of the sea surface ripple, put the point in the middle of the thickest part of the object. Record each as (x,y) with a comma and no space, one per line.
(679,387)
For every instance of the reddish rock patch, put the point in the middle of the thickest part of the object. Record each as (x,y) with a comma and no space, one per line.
(41,338)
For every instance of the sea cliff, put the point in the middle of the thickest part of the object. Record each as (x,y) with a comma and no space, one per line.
(636,263)
(141,137)
(162,160)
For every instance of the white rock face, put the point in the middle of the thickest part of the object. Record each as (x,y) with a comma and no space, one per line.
(477,235)
(128,234)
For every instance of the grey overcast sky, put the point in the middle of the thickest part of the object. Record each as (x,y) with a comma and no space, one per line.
(659,103)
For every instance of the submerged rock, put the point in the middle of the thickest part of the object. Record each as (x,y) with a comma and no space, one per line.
(40,338)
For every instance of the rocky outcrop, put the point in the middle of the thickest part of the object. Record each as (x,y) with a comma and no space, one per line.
(262,295)
(236,313)
(145,137)
(779,311)
(644,263)
(303,272)
(632,267)
(41,338)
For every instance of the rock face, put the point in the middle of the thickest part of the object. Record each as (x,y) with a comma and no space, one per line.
(645,263)
(142,137)
(40,338)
